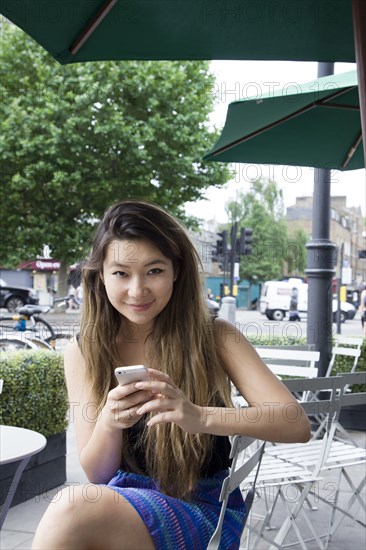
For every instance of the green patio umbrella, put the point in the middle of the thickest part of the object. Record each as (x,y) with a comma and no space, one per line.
(316,124)
(86,30)
(297,30)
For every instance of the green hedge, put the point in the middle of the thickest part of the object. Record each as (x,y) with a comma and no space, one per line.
(276,340)
(34,394)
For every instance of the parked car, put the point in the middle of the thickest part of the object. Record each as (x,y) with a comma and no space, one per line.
(12,297)
(276,296)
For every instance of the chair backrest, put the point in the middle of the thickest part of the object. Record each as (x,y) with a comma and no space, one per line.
(290,362)
(340,349)
(330,403)
(241,467)
(318,397)
(348,340)
(334,395)
(326,410)
(349,380)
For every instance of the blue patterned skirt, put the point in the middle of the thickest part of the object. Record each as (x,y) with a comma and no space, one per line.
(180,525)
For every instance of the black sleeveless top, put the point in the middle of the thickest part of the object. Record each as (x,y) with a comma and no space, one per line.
(217,460)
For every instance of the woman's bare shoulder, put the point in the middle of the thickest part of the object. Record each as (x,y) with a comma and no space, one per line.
(72,352)
(74,365)
(227,334)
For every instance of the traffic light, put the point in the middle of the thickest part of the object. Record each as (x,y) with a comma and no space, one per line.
(246,241)
(221,245)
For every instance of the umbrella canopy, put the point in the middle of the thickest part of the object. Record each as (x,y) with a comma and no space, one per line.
(319,125)
(86,30)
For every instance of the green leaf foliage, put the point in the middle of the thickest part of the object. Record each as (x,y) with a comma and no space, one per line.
(77,138)
(34,394)
(262,209)
(296,252)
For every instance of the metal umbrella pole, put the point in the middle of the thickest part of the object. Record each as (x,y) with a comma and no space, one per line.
(321,261)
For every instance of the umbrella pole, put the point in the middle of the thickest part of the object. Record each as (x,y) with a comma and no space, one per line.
(321,259)
(92,26)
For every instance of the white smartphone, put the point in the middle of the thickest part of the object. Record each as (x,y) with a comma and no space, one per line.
(133,373)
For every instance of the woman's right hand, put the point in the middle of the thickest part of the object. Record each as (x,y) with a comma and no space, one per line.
(119,411)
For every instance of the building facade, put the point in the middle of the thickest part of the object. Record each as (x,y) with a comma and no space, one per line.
(346,228)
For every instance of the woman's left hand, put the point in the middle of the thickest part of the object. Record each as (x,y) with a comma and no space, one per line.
(169,404)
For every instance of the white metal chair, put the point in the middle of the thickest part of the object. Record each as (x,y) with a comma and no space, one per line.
(252,449)
(275,475)
(284,362)
(279,473)
(340,349)
(288,362)
(317,457)
(353,352)
(344,455)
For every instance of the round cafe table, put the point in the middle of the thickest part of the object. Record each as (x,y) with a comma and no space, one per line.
(17,445)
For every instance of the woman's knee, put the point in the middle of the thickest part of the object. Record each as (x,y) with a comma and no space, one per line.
(60,524)
(93,516)
(82,506)
(76,502)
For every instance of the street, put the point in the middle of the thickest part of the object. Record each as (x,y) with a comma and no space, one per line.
(250,323)
(253,323)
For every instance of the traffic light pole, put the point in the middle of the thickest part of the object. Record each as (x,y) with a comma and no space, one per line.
(234,231)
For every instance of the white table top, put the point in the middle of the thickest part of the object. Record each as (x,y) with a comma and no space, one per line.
(19,443)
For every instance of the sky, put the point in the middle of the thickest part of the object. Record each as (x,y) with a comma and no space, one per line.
(239,79)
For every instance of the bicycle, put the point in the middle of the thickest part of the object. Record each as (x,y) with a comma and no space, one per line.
(27,319)
(16,342)
(31,331)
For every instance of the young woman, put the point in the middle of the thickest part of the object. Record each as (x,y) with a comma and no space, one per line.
(155,452)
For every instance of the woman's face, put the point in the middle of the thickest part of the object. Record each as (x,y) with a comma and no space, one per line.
(138,279)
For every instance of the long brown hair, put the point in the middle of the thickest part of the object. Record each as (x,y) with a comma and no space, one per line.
(182,341)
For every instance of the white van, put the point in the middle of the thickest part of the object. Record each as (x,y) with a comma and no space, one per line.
(276,296)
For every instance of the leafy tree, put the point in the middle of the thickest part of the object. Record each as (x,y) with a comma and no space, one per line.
(296,252)
(262,209)
(77,138)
